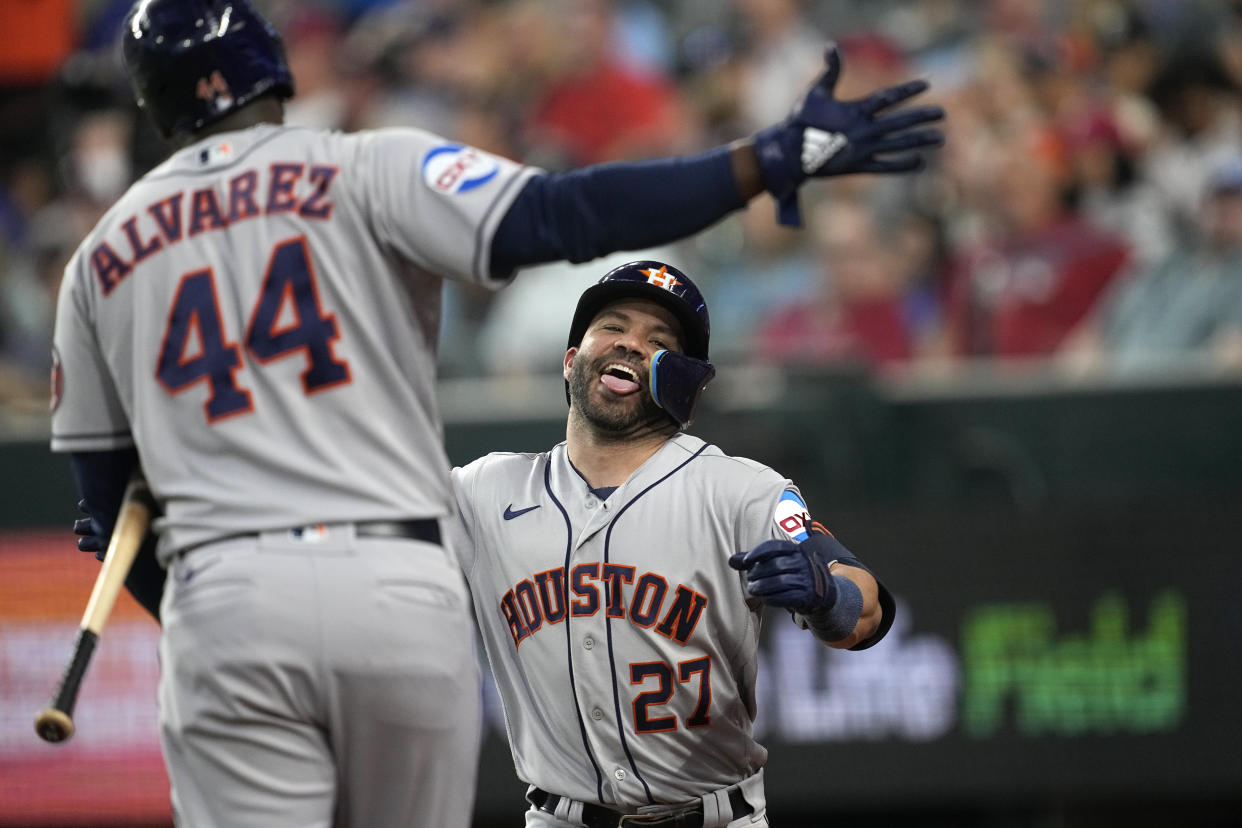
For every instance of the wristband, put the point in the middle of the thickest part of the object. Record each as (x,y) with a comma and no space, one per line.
(838,621)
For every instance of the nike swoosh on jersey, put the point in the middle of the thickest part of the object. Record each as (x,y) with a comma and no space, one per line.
(511,513)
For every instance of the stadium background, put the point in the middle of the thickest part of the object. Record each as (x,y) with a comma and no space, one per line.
(1059,522)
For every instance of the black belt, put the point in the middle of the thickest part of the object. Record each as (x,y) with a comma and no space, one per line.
(427,529)
(424,529)
(597,816)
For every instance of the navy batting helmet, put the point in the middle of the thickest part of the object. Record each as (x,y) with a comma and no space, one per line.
(192,62)
(657,282)
(677,378)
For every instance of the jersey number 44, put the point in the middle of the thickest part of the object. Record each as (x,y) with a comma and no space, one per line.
(287,319)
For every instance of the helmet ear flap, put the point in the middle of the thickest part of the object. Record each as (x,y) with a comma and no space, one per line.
(677,381)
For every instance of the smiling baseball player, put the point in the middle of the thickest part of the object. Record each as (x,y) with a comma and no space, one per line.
(605,578)
(253,326)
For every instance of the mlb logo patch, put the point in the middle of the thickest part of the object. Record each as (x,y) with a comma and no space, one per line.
(219,153)
(315,533)
(455,168)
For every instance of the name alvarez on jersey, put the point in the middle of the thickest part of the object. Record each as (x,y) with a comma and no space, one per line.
(541,599)
(282,188)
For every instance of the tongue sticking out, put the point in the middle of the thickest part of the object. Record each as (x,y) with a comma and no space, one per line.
(619,385)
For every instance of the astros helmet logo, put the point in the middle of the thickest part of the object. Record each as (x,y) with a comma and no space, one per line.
(661,278)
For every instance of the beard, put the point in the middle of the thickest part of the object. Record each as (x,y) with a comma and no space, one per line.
(620,417)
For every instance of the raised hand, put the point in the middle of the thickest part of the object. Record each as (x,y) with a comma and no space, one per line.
(824,136)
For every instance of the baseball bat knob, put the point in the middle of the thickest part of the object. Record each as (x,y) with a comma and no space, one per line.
(53,725)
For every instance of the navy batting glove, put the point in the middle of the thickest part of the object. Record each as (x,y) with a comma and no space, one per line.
(782,573)
(824,136)
(90,533)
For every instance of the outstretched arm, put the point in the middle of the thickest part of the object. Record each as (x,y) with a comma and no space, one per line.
(586,213)
(583,214)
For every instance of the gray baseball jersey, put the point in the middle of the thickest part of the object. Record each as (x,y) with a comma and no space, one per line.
(258,315)
(621,641)
(236,311)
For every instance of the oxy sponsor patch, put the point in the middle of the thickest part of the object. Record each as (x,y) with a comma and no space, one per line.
(455,168)
(792,516)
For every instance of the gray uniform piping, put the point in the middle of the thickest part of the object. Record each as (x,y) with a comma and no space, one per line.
(569,549)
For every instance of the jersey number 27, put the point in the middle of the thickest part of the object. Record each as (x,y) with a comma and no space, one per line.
(288,292)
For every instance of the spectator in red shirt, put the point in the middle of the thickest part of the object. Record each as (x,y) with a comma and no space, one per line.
(598,107)
(1037,271)
(860,312)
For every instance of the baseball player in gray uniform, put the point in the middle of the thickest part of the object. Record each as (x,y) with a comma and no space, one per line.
(618,578)
(252,327)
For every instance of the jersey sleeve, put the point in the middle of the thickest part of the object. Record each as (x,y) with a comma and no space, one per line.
(438,203)
(773,508)
(87,414)
(463,525)
(777,506)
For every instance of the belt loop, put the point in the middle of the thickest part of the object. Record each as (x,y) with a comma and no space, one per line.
(716,808)
(752,789)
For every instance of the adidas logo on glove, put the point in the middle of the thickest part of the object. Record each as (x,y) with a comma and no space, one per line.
(818,147)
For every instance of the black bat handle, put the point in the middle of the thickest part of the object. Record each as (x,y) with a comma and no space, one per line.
(55,724)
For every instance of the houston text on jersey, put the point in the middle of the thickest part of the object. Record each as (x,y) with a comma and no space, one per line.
(541,599)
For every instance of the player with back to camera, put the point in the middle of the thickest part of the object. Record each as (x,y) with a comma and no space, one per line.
(252,326)
(605,578)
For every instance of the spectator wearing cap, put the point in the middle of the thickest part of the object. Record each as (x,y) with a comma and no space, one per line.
(1186,305)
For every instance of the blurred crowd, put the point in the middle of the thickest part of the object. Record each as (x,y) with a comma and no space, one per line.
(1086,211)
